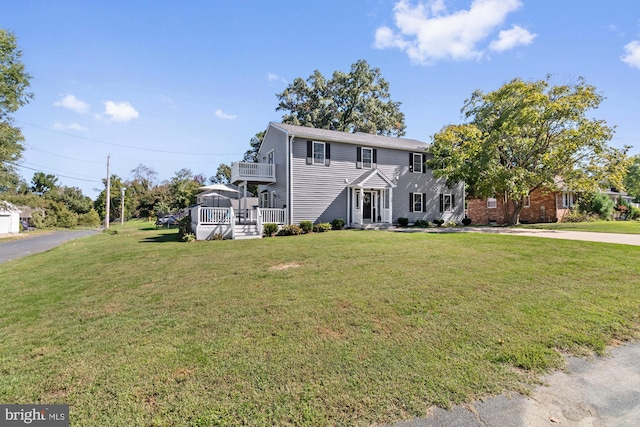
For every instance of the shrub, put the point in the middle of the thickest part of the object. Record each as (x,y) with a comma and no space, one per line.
(307,226)
(269,229)
(422,223)
(322,227)
(337,224)
(290,230)
(189,237)
(438,222)
(634,213)
(466,222)
(403,222)
(218,236)
(578,216)
(89,219)
(599,204)
(184,228)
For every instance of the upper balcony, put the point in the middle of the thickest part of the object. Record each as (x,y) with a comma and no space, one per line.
(260,173)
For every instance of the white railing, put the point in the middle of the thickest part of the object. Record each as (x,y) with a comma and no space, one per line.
(211,216)
(277,216)
(244,171)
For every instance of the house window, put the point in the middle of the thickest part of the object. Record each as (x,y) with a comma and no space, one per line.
(318,153)
(270,157)
(417,163)
(527,201)
(567,199)
(417,202)
(447,205)
(264,200)
(492,203)
(367,158)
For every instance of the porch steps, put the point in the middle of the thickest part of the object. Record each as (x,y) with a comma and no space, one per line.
(246,231)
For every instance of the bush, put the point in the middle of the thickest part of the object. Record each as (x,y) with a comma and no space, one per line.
(89,219)
(189,237)
(634,213)
(307,226)
(269,229)
(184,228)
(599,204)
(322,227)
(438,222)
(466,222)
(337,224)
(290,230)
(403,222)
(577,216)
(422,223)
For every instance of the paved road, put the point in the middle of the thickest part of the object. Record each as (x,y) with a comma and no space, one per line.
(27,245)
(600,392)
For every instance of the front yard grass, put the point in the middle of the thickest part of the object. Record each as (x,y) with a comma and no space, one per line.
(344,328)
(624,227)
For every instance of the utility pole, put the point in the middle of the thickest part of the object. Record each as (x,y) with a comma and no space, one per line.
(108,198)
(122,190)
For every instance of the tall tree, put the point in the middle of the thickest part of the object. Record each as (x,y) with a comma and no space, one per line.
(251,155)
(183,188)
(42,183)
(14,82)
(222,176)
(524,136)
(357,101)
(632,178)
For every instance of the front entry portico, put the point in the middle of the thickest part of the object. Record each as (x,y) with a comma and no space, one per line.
(370,200)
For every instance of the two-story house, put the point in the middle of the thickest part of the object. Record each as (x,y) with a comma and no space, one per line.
(319,175)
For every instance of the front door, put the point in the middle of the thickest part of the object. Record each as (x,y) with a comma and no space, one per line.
(367,204)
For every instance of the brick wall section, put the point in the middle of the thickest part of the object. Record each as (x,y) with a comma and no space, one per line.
(541,204)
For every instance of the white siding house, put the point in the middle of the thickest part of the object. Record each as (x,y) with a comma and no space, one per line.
(9,218)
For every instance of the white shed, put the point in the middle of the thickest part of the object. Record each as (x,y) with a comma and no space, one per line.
(9,218)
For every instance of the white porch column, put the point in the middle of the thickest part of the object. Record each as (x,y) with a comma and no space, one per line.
(390,190)
(244,201)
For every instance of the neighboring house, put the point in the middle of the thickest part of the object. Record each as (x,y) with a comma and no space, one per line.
(26,214)
(618,196)
(9,218)
(320,175)
(540,206)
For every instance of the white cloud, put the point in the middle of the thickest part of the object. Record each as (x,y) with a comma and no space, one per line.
(72,103)
(224,116)
(70,126)
(508,39)
(427,32)
(274,77)
(632,56)
(120,111)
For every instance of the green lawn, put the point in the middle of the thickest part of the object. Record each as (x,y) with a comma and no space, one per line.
(624,227)
(344,328)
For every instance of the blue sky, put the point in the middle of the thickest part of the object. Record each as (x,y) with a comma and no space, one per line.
(177,85)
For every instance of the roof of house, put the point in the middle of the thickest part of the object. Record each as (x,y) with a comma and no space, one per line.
(7,207)
(359,138)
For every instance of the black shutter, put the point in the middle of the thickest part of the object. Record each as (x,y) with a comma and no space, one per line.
(424,202)
(441,202)
(359,157)
(424,161)
(410,162)
(327,154)
(309,152)
(453,202)
(375,155)
(410,202)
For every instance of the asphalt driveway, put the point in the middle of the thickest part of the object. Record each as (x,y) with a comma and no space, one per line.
(31,244)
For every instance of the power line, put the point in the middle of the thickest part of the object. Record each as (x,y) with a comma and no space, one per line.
(60,175)
(123,145)
(54,169)
(61,155)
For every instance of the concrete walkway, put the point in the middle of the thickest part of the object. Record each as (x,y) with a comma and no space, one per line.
(623,239)
(30,244)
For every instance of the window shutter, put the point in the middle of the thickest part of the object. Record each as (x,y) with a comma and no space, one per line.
(410,162)
(359,158)
(375,156)
(441,202)
(453,202)
(309,152)
(424,166)
(327,154)
(424,202)
(410,202)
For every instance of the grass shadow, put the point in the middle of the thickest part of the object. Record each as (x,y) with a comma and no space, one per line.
(161,238)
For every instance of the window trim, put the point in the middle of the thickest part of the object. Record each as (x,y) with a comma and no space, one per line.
(271,157)
(444,203)
(492,201)
(413,162)
(415,202)
(313,153)
(527,201)
(567,199)
(364,164)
